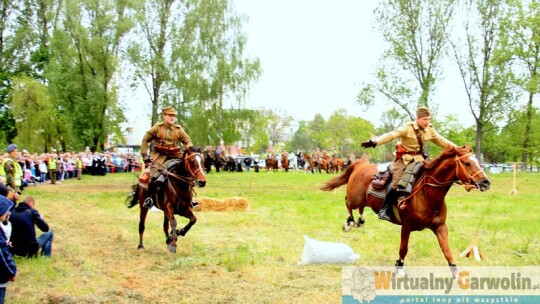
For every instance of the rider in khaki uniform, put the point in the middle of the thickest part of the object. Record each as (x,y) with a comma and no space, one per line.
(167,137)
(412,137)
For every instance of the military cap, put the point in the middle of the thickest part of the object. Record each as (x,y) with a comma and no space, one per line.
(422,112)
(11,147)
(168,110)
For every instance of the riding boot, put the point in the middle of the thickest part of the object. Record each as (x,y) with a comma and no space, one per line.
(194,205)
(159,182)
(154,187)
(384,213)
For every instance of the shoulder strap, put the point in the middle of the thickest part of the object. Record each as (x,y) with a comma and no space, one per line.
(419,139)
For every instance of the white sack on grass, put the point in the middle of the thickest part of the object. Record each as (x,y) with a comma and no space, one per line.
(317,252)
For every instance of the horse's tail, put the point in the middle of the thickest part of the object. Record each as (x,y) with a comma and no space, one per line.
(339,180)
(133,198)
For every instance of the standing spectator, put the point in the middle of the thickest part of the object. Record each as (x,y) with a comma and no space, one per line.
(8,268)
(69,167)
(61,169)
(23,237)
(42,170)
(10,170)
(87,163)
(78,167)
(247,162)
(52,165)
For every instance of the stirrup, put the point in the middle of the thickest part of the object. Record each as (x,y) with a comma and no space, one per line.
(383,214)
(148,202)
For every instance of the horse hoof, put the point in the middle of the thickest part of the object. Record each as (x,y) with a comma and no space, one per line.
(140,247)
(172,249)
(347,227)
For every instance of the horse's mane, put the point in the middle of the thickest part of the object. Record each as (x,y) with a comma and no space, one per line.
(445,154)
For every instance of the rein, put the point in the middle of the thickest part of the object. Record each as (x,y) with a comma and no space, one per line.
(423,180)
(190,180)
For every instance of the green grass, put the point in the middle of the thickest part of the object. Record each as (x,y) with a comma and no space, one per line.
(250,256)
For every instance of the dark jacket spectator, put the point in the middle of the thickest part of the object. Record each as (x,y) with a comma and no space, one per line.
(23,237)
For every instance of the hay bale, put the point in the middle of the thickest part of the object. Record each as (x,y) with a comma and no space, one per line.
(228,204)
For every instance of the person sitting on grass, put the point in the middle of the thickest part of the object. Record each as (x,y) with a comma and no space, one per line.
(23,236)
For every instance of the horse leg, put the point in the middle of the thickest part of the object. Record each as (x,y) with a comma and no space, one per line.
(349,225)
(192,220)
(442,236)
(171,239)
(142,219)
(166,228)
(403,249)
(361,221)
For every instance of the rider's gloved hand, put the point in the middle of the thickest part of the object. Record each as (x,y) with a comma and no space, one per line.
(369,144)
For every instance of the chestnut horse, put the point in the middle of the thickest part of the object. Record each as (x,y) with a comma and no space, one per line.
(271,164)
(425,207)
(313,165)
(174,198)
(285,162)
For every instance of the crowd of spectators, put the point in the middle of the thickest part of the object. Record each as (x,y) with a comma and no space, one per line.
(37,167)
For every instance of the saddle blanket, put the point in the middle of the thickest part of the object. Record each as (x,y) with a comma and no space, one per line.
(378,194)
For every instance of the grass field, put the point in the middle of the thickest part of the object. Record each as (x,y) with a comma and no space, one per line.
(250,256)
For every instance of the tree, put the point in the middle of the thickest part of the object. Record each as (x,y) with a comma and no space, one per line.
(486,78)
(278,121)
(192,55)
(416,35)
(83,68)
(515,133)
(300,139)
(37,121)
(522,47)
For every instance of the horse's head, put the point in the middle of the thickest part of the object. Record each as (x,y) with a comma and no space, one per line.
(468,170)
(194,168)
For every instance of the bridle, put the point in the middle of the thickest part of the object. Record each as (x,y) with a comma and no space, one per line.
(470,177)
(191,177)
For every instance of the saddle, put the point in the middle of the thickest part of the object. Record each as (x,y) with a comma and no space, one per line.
(381,181)
(382,178)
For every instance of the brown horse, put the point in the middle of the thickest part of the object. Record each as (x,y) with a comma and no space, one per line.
(174,198)
(336,165)
(313,165)
(425,207)
(271,164)
(324,164)
(285,162)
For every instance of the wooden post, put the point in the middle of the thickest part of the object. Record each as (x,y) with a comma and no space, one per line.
(473,249)
(514,191)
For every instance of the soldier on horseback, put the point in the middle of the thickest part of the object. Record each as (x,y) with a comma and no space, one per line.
(409,150)
(166,137)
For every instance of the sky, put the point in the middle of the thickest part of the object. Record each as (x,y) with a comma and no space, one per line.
(316,54)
